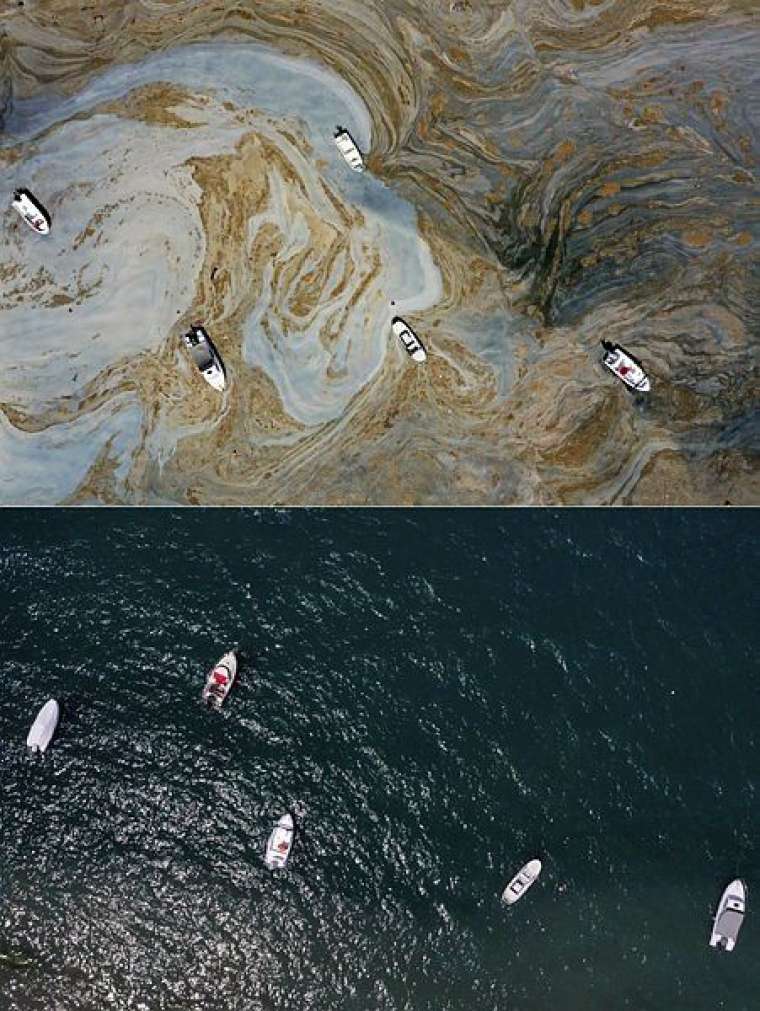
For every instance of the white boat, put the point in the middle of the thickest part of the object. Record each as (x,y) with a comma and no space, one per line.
(205,356)
(627,368)
(410,340)
(219,681)
(347,147)
(730,915)
(43,727)
(31,211)
(521,882)
(280,843)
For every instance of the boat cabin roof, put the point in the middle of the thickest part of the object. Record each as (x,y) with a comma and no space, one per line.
(202,356)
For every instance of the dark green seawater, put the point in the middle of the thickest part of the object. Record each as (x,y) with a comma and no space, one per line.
(440,696)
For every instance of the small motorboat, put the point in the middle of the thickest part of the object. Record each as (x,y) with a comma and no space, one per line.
(43,727)
(627,368)
(346,145)
(280,843)
(521,882)
(205,356)
(31,211)
(730,916)
(410,340)
(219,681)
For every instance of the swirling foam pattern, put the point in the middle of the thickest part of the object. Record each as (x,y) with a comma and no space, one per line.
(542,176)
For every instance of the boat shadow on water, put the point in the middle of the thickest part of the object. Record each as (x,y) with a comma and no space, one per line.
(12,960)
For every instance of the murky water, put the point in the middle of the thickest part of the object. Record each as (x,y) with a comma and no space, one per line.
(541,176)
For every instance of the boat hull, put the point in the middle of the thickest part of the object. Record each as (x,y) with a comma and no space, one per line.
(625,367)
(44,726)
(31,211)
(409,340)
(347,146)
(521,882)
(205,356)
(280,843)
(730,916)
(220,680)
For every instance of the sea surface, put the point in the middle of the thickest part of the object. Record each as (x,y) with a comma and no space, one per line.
(438,697)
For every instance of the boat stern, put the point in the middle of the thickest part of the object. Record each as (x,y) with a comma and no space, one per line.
(274,861)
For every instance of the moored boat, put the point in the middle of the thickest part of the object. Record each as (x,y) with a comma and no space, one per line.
(32,211)
(521,882)
(280,843)
(43,728)
(205,356)
(628,369)
(219,680)
(730,916)
(347,146)
(410,340)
